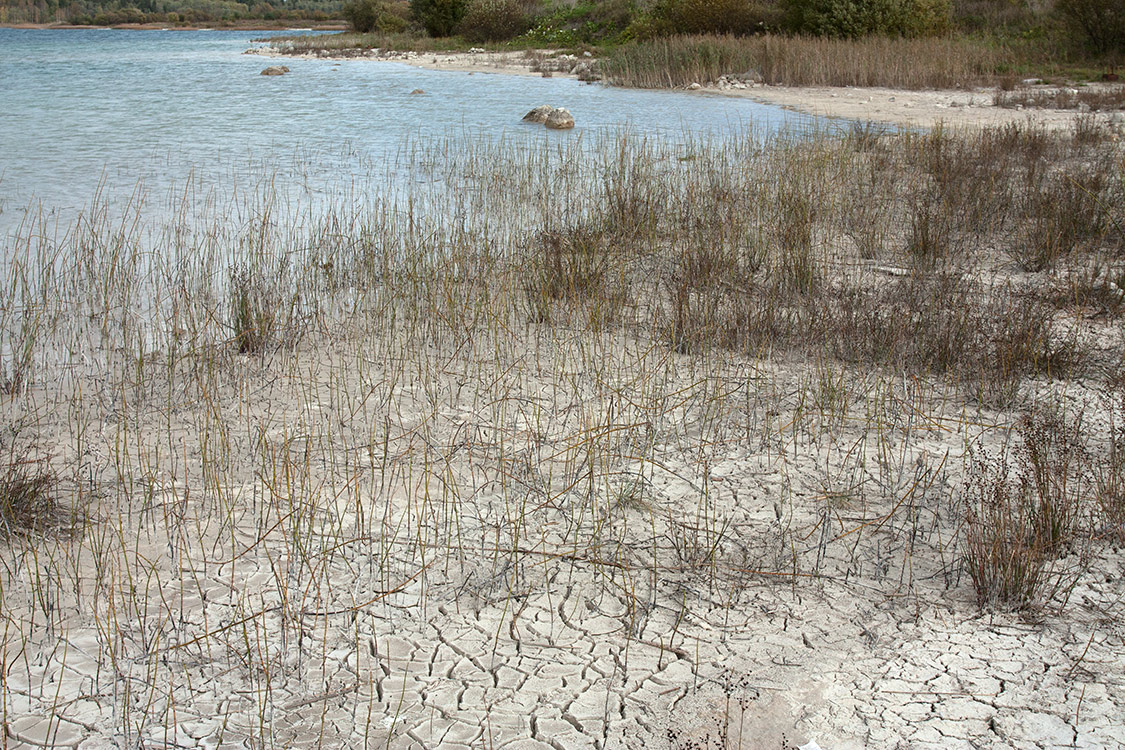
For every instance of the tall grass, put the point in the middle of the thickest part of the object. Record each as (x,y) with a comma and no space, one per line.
(480,420)
(807,61)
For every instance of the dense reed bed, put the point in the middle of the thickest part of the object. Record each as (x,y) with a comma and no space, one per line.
(553,444)
(809,61)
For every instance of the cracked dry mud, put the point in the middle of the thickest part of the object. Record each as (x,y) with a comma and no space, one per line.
(343,546)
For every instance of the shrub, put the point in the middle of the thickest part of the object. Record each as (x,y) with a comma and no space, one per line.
(856,18)
(373,15)
(1100,24)
(492,20)
(738,17)
(438,17)
(995,16)
(583,23)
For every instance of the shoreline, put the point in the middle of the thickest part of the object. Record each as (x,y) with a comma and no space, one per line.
(247,26)
(899,107)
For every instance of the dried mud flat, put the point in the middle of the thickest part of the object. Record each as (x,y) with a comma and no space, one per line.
(250,619)
(436,512)
(325,630)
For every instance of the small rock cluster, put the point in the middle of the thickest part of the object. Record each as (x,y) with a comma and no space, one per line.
(375,53)
(582,69)
(556,118)
(746,80)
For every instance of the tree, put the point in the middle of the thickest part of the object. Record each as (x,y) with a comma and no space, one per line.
(1100,22)
(439,17)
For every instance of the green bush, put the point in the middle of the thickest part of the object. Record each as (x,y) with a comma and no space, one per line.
(739,17)
(438,17)
(492,20)
(583,23)
(1099,24)
(856,18)
(373,15)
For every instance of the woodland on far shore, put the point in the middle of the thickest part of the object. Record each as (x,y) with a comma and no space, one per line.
(1078,34)
(166,12)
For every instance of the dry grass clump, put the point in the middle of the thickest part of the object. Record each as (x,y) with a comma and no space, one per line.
(948,324)
(1100,99)
(1099,288)
(26,501)
(1065,212)
(1109,472)
(571,265)
(805,61)
(1004,184)
(255,314)
(29,501)
(1020,529)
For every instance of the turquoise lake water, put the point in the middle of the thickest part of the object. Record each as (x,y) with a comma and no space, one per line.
(117,113)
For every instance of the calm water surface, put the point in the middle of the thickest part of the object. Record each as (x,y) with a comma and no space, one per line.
(117,113)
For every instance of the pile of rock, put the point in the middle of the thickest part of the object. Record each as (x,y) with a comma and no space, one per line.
(584,69)
(746,80)
(556,118)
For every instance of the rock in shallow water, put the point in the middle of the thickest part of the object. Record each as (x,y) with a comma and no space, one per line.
(539,114)
(275,70)
(560,119)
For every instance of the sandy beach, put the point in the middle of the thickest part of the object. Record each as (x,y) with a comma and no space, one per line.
(953,108)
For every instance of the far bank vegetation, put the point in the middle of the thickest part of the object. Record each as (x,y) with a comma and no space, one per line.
(659,43)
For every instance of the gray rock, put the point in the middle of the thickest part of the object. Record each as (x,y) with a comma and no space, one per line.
(560,119)
(587,71)
(539,114)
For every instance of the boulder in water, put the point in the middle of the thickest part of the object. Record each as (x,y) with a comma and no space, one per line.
(560,119)
(539,114)
(275,70)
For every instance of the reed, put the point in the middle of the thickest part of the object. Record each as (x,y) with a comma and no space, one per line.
(479,423)
(808,61)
